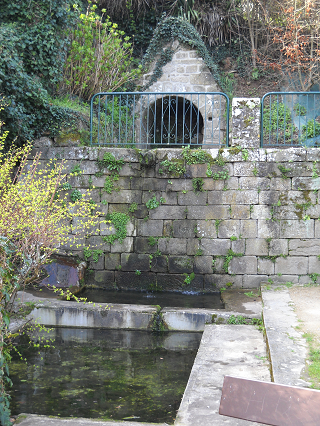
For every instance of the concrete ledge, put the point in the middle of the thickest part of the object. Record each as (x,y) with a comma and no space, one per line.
(287,347)
(234,350)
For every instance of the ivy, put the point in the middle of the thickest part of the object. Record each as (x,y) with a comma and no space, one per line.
(161,47)
(32,45)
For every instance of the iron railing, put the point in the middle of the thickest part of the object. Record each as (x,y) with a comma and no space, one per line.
(154,120)
(290,119)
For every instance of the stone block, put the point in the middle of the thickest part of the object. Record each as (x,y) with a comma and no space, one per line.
(254,183)
(128,155)
(192,69)
(193,246)
(132,169)
(132,281)
(97,265)
(218,265)
(243,169)
(278,247)
(260,212)
(303,247)
(240,212)
(142,245)
(111,260)
(297,229)
(103,279)
(215,247)
(173,246)
(192,199)
(291,265)
(277,279)
(159,264)
(134,261)
(269,198)
(183,185)
(265,266)
(149,228)
(206,229)
(168,212)
(149,184)
(317,229)
(208,212)
(124,196)
(268,229)
(196,170)
(214,282)
(229,228)
(287,155)
(305,183)
(82,181)
(243,265)
(253,281)
(168,228)
(170,197)
(314,267)
(313,154)
(246,122)
(238,246)
(107,229)
(180,264)
(313,212)
(269,170)
(184,228)
(174,282)
(87,167)
(125,247)
(203,78)
(118,208)
(248,228)
(233,197)
(279,184)
(203,265)
(97,243)
(256,247)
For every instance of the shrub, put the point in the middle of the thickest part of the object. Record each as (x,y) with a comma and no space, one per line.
(99,59)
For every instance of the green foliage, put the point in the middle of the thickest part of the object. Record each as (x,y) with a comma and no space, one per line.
(137,272)
(284,170)
(66,186)
(172,167)
(199,252)
(133,207)
(277,122)
(239,319)
(220,175)
(108,185)
(311,130)
(76,170)
(189,278)
(197,184)
(230,255)
(99,59)
(75,195)
(195,156)
(300,109)
(153,203)
(110,162)
(87,253)
(233,238)
(120,221)
(152,241)
(32,42)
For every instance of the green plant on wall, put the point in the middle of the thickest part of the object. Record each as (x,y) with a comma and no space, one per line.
(197,184)
(119,221)
(153,203)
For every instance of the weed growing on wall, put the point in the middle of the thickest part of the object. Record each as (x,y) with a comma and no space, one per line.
(119,221)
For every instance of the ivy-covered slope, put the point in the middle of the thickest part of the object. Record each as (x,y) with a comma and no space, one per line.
(33,42)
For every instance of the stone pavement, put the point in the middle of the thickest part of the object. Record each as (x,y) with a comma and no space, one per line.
(234,350)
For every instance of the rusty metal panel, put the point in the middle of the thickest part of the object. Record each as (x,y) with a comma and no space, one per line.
(270,403)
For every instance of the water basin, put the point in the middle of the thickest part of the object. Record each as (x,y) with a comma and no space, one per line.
(168,299)
(105,374)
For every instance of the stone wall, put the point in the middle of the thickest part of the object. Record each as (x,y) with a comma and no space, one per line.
(243,216)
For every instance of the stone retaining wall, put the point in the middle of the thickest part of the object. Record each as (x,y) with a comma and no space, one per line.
(204,232)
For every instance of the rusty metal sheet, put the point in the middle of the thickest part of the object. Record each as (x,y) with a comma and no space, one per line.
(270,403)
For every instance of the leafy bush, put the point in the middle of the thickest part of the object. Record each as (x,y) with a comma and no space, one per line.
(32,48)
(311,130)
(99,59)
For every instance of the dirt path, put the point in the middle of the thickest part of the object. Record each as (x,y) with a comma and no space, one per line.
(307,308)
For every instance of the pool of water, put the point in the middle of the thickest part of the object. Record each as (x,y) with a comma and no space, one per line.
(105,374)
(163,299)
